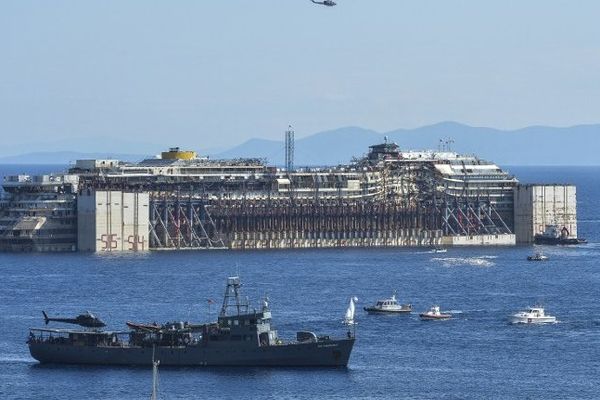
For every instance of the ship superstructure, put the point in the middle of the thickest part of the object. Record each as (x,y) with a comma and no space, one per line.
(236,178)
(473,196)
(469,195)
(39,213)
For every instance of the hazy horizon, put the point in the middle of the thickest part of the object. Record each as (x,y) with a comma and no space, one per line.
(551,146)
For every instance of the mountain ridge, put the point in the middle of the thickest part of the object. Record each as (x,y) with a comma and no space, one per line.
(532,145)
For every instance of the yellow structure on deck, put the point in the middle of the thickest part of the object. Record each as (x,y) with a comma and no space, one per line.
(175,154)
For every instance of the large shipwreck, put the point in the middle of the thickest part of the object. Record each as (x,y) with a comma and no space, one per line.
(389,197)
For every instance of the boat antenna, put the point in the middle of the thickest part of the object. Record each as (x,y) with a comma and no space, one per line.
(210,302)
(155,363)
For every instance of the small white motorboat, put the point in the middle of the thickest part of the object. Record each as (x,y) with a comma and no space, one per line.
(434,313)
(439,250)
(537,257)
(533,315)
(389,306)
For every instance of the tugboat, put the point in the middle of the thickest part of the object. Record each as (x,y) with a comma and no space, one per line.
(537,257)
(389,306)
(434,313)
(533,315)
(555,236)
(239,337)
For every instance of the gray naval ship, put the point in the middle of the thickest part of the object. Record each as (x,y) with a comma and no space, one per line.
(240,337)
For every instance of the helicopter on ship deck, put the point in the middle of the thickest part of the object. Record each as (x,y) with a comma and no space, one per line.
(86,320)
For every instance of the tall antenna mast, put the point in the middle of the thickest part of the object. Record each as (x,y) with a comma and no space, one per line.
(154,395)
(232,297)
(289,149)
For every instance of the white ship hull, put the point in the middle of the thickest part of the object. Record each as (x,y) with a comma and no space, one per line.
(517,319)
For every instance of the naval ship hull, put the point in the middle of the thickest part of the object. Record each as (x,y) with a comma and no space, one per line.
(540,239)
(332,353)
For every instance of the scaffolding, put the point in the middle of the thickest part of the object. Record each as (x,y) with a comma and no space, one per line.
(467,212)
(178,224)
(191,222)
(468,217)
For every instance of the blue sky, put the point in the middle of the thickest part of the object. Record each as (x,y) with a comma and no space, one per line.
(208,74)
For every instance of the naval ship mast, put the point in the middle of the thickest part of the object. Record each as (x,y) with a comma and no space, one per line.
(232,297)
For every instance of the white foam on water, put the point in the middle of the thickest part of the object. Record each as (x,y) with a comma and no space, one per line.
(16,359)
(464,261)
(480,310)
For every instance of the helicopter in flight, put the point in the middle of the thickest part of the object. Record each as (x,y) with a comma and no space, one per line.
(327,3)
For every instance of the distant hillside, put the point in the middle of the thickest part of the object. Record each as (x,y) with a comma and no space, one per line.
(324,148)
(536,145)
(65,157)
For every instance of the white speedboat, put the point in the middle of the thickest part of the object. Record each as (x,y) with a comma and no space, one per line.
(434,313)
(533,315)
(388,306)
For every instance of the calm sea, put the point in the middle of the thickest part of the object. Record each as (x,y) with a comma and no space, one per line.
(474,355)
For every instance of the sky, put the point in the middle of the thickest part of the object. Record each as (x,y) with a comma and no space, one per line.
(212,74)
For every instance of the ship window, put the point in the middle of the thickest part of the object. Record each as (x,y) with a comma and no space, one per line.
(236,322)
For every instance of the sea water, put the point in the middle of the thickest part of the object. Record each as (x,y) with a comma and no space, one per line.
(476,354)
